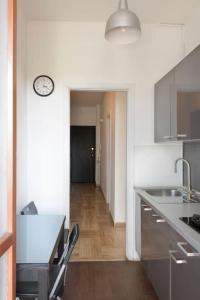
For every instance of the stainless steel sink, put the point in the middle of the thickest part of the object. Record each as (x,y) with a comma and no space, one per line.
(171,196)
(167,196)
(164,192)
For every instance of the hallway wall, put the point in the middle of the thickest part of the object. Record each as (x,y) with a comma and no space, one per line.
(114,108)
(83,116)
(108,112)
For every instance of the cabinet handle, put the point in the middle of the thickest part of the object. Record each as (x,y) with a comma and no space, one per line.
(186,249)
(160,221)
(147,209)
(144,205)
(167,137)
(176,258)
(181,135)
(155,216)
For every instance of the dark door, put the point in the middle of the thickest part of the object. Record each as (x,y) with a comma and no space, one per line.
(83,141)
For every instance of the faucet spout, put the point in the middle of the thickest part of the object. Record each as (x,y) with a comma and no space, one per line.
(186,162)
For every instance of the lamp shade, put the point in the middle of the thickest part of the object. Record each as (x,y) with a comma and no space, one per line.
(123,26)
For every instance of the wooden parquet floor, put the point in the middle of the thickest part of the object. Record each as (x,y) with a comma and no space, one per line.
(99,240)
(107,281)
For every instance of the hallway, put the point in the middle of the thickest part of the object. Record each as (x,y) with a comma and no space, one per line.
(99,239)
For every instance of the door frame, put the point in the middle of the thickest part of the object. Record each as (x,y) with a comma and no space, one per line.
(8,240)
(131,252)
(108,158)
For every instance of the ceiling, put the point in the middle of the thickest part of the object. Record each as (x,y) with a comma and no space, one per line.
(149,11)
(80,98)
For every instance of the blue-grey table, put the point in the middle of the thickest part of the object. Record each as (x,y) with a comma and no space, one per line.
(39,238)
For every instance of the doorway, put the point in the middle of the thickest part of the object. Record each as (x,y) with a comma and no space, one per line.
(83,145)
(100,206)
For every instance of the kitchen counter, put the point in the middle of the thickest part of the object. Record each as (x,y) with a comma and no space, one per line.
(172,212)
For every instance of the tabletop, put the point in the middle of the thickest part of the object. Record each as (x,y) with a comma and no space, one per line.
(36,237)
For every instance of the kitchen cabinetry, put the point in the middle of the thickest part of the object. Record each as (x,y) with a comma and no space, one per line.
(171,264)
(155,245)
(177,101)
(163,95)
(184,272)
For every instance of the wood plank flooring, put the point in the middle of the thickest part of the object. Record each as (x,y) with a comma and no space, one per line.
(107,281)
(99,239)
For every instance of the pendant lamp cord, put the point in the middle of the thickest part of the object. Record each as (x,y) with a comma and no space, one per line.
(123,4)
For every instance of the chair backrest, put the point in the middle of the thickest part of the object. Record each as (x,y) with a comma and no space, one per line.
(71,242)
(30,209)
(59,282)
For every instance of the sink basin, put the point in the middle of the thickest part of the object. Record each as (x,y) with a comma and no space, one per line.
(170,196)
(166,196)
(164,192)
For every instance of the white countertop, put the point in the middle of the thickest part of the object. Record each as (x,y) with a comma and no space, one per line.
(172,212)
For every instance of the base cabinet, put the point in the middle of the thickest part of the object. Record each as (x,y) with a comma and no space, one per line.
(171,264)
(184,276)
(158,273)
(155,245)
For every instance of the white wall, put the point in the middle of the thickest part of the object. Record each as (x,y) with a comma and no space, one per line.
(113,110)
(120,156)
(108,180)
(83,116)
(192,30)
(76,53)
(22,190)
(154,165)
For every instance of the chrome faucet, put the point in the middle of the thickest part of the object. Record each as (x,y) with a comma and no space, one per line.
(188,173)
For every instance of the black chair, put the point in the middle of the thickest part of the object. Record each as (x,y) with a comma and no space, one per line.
(29,290)
(30,209)
(69,246)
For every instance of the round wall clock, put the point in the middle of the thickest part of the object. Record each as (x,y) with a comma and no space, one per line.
(43,85)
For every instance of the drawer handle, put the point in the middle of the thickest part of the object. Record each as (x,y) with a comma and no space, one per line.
(167,137)
(176,258)
(144,205)
(147,209)
(160,221)
(185,248)
(155,216)
(181,135)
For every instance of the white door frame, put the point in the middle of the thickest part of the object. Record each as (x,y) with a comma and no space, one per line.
(131,253)
(108,158)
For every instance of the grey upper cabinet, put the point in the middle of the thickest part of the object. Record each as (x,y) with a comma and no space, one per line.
(182,95)
(163,95)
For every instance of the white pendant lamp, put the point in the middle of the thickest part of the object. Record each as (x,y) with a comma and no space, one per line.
(123,26)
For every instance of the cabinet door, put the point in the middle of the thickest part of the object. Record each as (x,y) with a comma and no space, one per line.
(185,105)
(155,250)
(184,275)
(163,93)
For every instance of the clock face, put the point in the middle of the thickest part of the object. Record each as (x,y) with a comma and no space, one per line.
(43,85)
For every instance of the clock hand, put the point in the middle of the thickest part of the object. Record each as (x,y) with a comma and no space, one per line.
(46,87)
